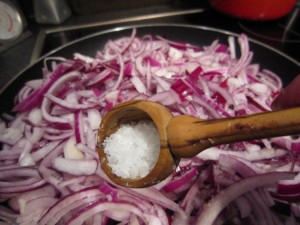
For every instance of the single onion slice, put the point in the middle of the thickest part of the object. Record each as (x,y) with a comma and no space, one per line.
(183,180)
(100,206)
(75,166)
(287,197)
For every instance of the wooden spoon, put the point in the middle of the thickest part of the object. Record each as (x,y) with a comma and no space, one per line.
(186,136)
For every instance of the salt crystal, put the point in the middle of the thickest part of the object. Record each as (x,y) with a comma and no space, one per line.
(132,151)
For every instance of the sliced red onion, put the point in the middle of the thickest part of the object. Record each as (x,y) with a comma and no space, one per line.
(58,137)
(68,202)
(37,193)
(100,206)
(55,152)
(4,185)
(153,195)
(52,90)
(42,152)
(217,204)
(68,105)
(179,45)
(138,84)
(183,180)
(152,62)
(36,208)
(214,154)
(75,167)
(166,98)
(259,202)
(7,215)
(19,172)
(71,151)
(243,206)
(289,187)
(287,197)
(79,132)
(34,84)
(36,96)
(52,141)
(87,150)
(26,187)
(10,136)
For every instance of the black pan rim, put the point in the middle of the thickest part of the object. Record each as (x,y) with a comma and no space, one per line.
(129,27)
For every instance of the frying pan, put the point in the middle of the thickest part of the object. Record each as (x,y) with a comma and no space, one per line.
(268,58)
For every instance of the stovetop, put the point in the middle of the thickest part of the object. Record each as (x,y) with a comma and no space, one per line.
(282,34)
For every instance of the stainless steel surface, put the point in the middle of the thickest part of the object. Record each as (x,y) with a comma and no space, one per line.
(98,6)
(42,34)
(51,11)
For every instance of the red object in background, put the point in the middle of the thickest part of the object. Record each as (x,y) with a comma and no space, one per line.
(254,9)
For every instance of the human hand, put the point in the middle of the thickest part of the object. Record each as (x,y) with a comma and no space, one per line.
(289,97)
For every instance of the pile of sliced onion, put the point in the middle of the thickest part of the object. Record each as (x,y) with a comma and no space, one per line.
(49,167)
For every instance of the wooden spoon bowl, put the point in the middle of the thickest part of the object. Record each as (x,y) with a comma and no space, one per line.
(133,111)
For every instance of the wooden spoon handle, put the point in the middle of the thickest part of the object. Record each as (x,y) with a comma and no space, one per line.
(187,135)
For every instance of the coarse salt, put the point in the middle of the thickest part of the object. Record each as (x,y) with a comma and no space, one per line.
(132,151)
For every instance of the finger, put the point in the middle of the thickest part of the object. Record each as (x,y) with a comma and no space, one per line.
(289,97)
